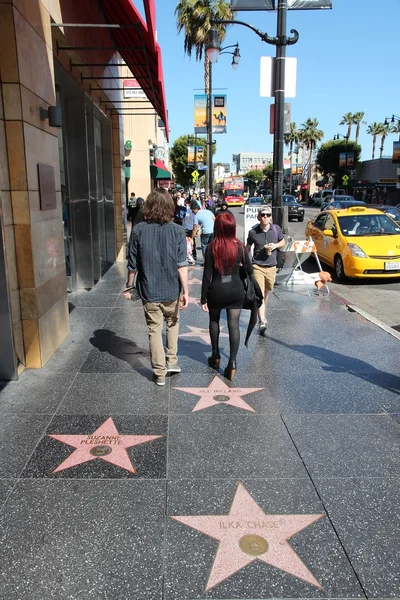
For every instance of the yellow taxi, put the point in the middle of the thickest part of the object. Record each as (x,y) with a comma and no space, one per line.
(357,241)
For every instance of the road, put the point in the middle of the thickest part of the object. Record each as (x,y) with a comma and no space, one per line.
(378,297)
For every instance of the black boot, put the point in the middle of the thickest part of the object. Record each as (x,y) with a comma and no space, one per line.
(230,370)
(214,360)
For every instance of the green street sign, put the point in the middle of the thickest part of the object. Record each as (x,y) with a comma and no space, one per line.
(128,145)
(345,179)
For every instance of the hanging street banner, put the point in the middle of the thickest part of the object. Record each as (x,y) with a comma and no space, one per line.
(200,113)
(342,160)
(190,155)
(219,114)
(200,154)
(350,159)
(271,4)
(396,152)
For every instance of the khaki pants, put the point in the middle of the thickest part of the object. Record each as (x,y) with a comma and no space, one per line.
(155,313)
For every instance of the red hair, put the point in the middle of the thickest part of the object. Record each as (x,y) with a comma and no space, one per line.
(225,244)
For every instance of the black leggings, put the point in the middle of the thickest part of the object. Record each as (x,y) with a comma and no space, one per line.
(233,315)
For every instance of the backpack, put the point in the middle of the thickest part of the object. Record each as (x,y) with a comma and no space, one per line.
(281,254)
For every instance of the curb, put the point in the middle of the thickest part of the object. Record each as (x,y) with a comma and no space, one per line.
(353,308)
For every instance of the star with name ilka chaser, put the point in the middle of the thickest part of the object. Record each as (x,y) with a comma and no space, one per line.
(247,534)
(201,333)
(219,393)
(105,443)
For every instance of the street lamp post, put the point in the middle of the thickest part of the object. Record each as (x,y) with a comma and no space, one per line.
(280,41)
(214,51)
(346,138)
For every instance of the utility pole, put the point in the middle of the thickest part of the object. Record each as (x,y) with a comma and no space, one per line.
(209,176)
(279,122)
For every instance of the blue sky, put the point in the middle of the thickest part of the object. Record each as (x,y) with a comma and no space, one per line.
(348,61)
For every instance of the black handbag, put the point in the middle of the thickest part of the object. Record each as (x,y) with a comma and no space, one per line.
(252,291)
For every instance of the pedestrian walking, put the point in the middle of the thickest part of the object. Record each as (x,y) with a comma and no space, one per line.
(188,224)
(266,239)
(204,220)
(157,254)
(224,209)
(222,287)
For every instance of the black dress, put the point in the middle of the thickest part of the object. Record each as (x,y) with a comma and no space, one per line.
(224,291)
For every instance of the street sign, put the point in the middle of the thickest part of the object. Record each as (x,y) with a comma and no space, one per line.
(202,167)
(345,179)
(195,175)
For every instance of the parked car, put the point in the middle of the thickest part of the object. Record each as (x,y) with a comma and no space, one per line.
(358,242)
(296,210)
(344,202)
(255,200)
(392,211)
(326,196)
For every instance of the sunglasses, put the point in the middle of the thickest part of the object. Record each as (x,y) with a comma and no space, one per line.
(265,214)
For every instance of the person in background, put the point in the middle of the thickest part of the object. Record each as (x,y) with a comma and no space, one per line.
(157,253)
(180,209)
(266,239)
(138,218)
(204,220)
(222,287)
(188,224)
(224,209)
(132,207)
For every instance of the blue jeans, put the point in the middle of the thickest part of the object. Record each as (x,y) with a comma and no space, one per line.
(205,238)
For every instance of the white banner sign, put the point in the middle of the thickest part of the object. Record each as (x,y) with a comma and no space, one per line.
(250,219)
(267,77)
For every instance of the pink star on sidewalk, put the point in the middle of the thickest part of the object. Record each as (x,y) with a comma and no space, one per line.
(194,300)
(203,334)
(217,393)
(105,443)
(194,280)
(247,534)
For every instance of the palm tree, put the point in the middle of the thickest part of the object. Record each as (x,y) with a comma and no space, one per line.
(385,129)
(357,120)
(194,16)
(310,135)
(291,138)
(348,119)
(374,129)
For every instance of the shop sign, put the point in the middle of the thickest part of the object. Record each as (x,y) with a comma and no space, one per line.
(388,181)
(132,89)
(128,145)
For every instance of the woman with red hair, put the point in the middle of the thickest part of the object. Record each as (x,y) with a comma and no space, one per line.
(223,287)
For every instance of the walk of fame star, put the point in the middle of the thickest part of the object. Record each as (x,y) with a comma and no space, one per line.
(247,534)
(194,280)
(194,300)
(203,334)
(219,393)
(105,443)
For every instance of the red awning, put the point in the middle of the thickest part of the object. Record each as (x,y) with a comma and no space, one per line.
(144,60)
(160,165)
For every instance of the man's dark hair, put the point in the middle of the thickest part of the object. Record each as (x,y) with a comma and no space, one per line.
(158,208)
(194,205)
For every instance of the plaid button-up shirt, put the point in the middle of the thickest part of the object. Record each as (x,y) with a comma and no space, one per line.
(156,251)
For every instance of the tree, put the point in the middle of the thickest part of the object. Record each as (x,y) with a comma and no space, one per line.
(194,16)
(178,155)
(348,119)
(290,138)
(255,175)
(268,171)
(357,120)
(374,130)
(329,153)
(385,129)
(310,135)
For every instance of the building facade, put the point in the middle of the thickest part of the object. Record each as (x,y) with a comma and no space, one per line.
(62,170)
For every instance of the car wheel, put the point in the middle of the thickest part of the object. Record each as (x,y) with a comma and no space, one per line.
(339,268)
(300,219)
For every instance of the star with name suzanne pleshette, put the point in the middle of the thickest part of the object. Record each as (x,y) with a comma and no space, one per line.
(219,393)
(247,534)
(105,443)
(201,333)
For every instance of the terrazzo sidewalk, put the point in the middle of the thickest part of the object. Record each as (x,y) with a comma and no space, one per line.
(281,484)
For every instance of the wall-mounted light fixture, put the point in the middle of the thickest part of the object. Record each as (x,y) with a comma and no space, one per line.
(53,114)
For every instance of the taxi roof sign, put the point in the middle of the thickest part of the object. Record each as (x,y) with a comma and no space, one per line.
(356,209)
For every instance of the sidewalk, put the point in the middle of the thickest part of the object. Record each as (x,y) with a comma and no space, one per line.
(284,484)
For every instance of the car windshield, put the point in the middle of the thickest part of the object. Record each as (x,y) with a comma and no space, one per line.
(367,225)
(235,193)
(288,199)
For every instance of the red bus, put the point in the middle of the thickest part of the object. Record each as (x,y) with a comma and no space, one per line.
(234,190)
